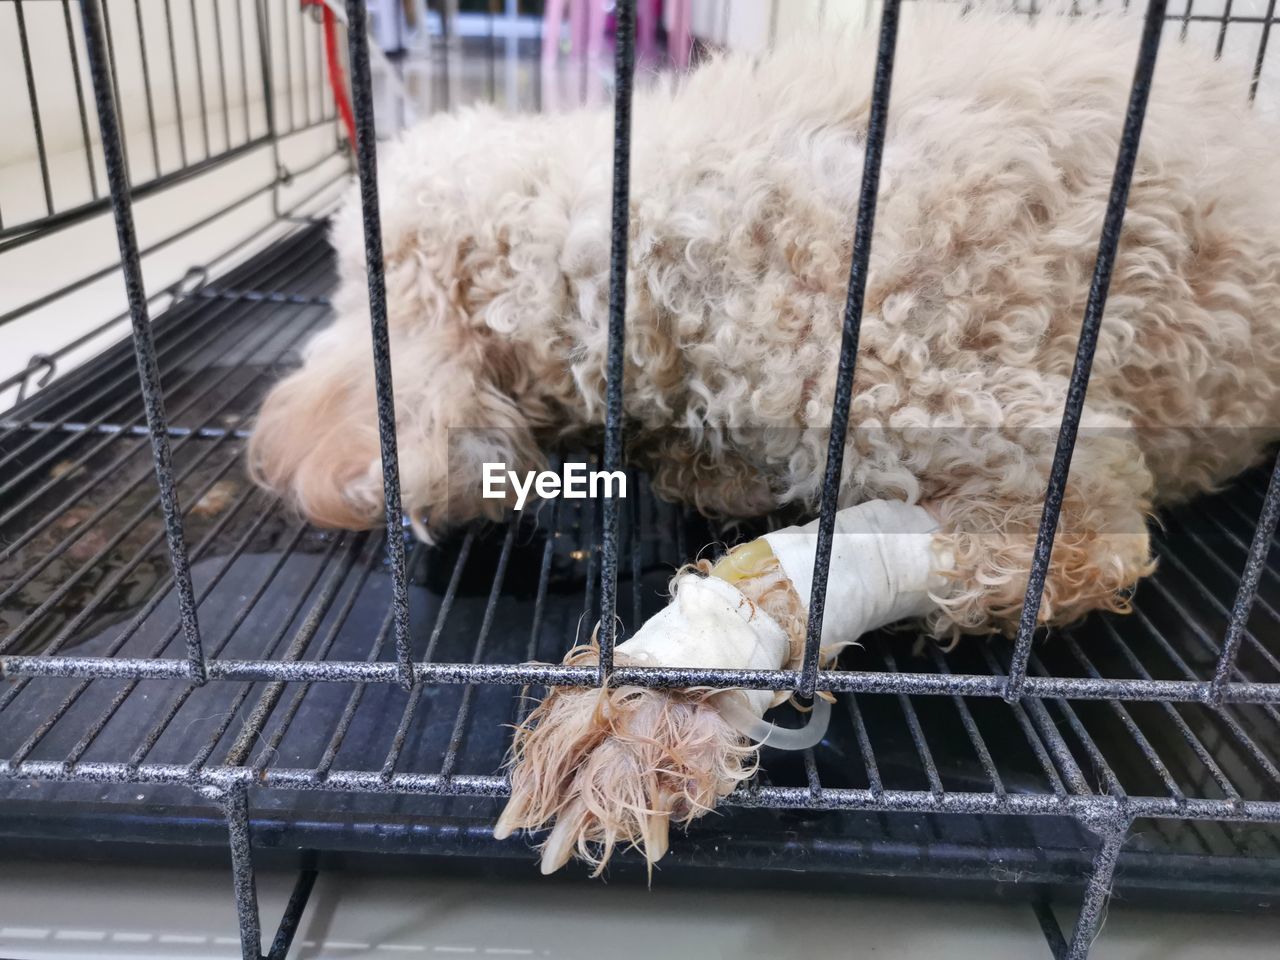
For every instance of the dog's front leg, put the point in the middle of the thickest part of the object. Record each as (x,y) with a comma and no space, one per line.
(618,765)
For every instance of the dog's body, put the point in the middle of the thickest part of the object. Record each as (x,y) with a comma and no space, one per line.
(1001,146)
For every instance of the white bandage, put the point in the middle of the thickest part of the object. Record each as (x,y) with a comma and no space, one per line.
(882,570)
(883,567)
(711,625)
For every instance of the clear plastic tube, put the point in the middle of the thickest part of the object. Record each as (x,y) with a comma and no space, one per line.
(732,706)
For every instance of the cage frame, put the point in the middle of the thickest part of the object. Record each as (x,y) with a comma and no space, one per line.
(1108,816)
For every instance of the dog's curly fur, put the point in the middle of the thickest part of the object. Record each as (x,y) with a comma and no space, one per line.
(1001,146)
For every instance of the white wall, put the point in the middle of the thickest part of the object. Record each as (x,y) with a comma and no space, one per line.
(51,59)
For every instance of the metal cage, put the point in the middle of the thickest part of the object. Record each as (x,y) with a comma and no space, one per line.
(354,641)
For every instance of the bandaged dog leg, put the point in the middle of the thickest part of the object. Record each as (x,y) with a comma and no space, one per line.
(884,568)
(618,765)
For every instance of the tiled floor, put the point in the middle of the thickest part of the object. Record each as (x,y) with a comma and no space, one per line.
(177,914)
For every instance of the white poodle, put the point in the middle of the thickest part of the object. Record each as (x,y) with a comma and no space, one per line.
(1001,144)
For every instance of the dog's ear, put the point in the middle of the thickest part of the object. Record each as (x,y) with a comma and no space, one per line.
(316,438)
(315,442)
(463,409)
(463,388)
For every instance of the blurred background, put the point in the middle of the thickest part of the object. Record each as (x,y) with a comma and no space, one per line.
(190,80)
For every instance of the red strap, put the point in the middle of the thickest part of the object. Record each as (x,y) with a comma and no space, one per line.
(337,82)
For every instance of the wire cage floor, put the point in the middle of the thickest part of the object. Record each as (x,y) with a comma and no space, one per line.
(372,767)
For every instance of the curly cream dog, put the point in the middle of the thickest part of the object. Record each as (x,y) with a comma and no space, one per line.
(1001,144)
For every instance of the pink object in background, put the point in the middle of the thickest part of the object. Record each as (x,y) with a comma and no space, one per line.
(680,36)
(588,26)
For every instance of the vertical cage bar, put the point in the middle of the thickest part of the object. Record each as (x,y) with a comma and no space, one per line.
(244,69)
(1186,21)
(588,544)
(852,325)
(79,84)
(286,37)
(1094,903)
(623,72)
(1043,911)
(144,345)
(322,71)
(115,83)
(1094,307)
(510,64)
(179,119)
(1267,20)
(148,99)
(204,104)
(35,106)
(366,162)
(491,52)
(1254,564)
(235,807)
(266,62)
(222,75)
(636,527)
(293,912)
(1222,30)
(306,70)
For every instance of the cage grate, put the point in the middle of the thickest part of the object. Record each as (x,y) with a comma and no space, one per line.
(359,688)
(84,575)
